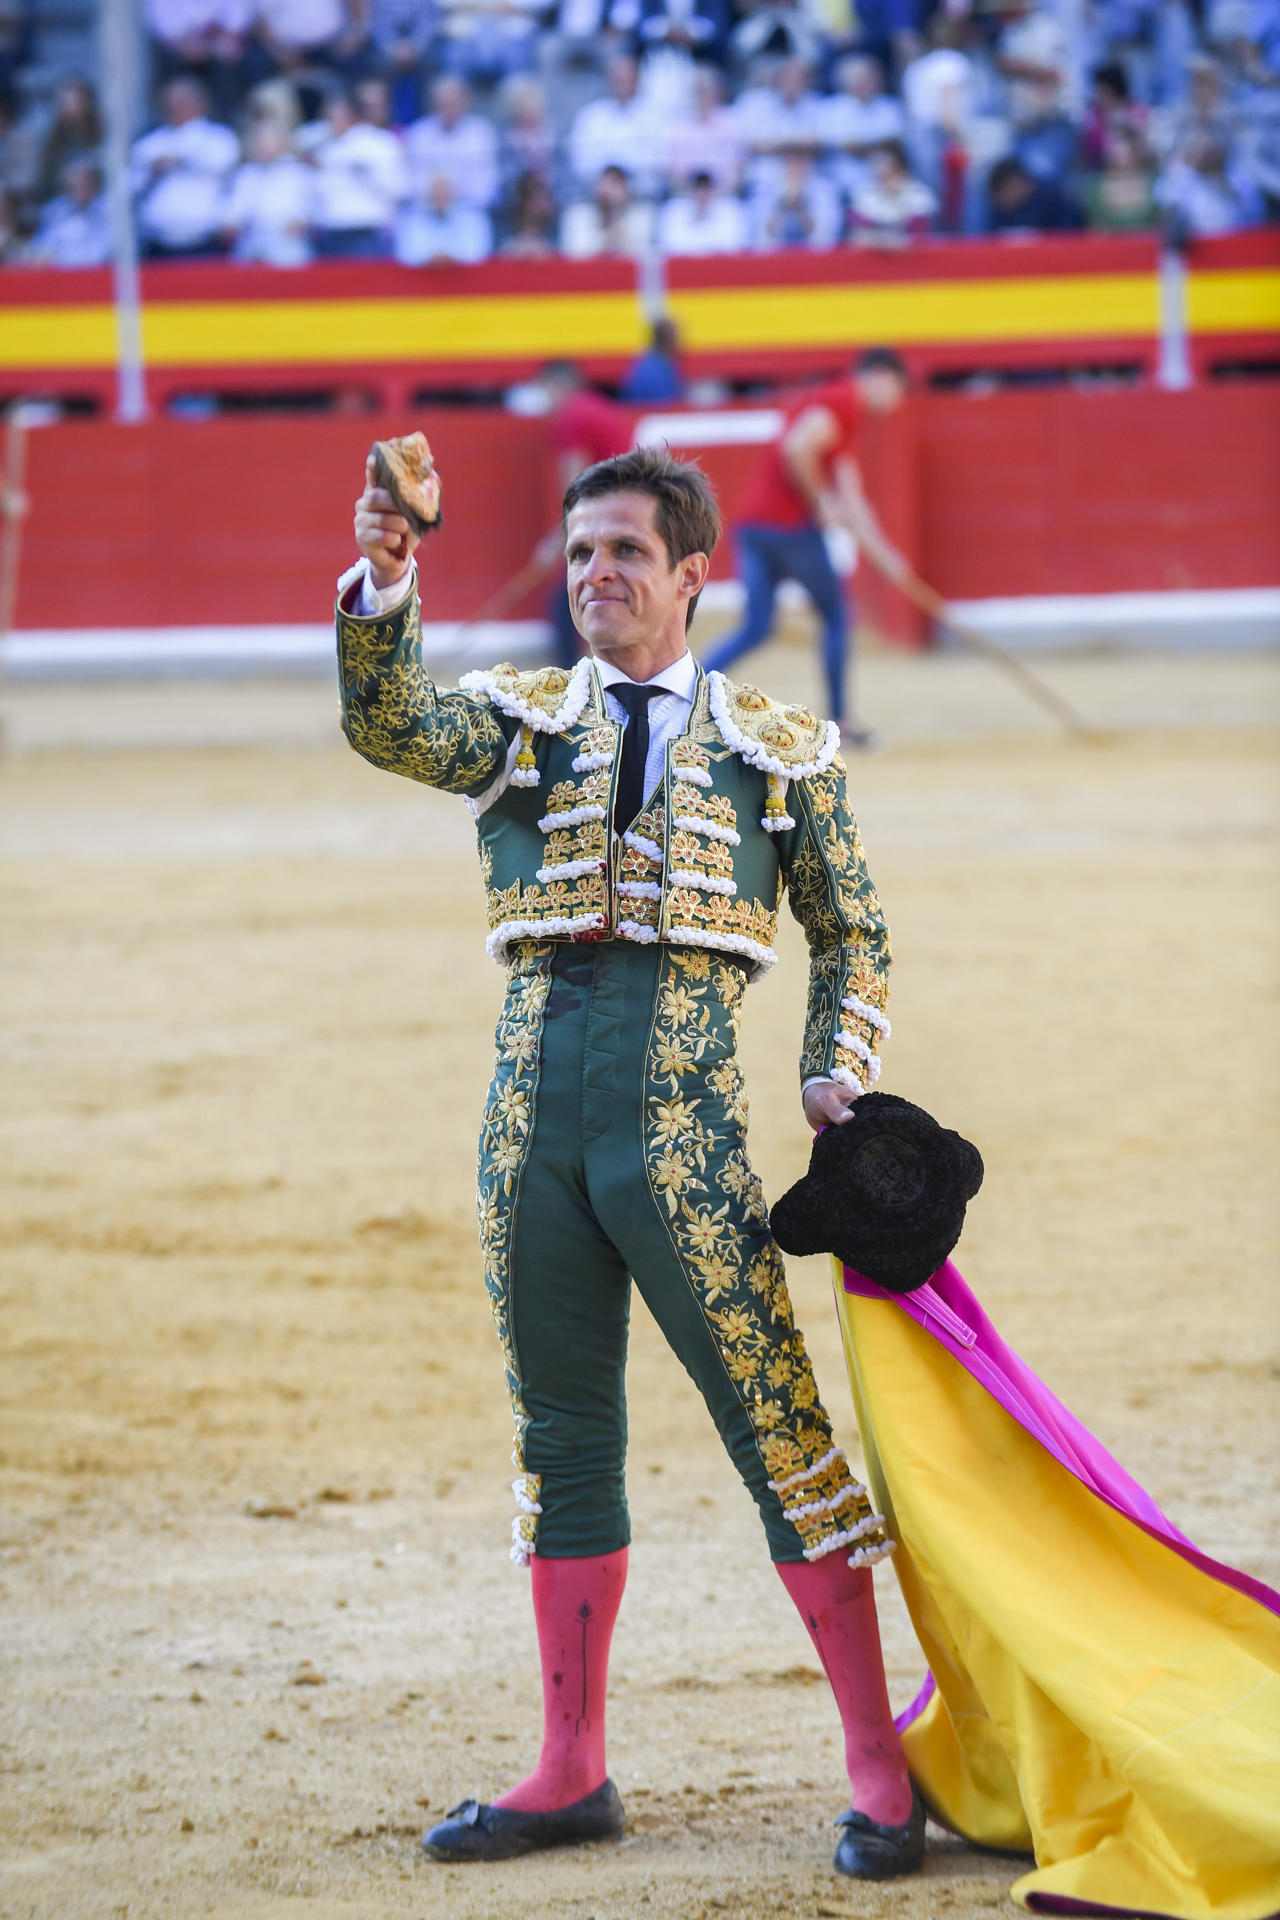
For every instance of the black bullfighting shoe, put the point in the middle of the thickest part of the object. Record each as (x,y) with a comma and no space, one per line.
(475,1831)
(869,1851)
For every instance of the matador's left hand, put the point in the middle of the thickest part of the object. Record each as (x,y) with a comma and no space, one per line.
(828,1103)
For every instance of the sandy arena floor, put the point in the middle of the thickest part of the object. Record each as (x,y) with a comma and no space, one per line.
(258,1620)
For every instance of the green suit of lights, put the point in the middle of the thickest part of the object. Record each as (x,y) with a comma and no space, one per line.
(613,1143)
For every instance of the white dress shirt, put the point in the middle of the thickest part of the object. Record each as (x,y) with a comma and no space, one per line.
(668,711)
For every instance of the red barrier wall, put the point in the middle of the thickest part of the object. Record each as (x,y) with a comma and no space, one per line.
(1064,492)
(231,521)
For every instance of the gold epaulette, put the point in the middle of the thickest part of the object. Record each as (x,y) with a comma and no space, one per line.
(790,742)
(546,699)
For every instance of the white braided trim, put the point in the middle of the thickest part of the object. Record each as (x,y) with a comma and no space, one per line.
(640,889)
(757,755)
(570,708)
(525,777)
(764,957)
(845,1077)
(696,775)
(575,817)
(808,1473)
(852,1492)
(709,829)
(777,823)
(592,762)
(709,882)
(861,1051)
(856,1046)
(867,1556)
(874,1523)
(560,924)
(872,1015)
(638,844)
(523,1500)
(570,870)
(632,930)
(522,1550)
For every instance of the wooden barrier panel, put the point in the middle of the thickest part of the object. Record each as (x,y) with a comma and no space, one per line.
(227,521)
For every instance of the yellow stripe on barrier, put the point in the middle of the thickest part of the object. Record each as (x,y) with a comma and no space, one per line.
(355,333)
(1244,302)
(1069,306)
(58,337)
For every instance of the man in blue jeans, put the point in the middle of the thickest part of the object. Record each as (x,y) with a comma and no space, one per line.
(807,484)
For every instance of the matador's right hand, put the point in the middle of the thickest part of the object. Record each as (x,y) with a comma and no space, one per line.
(383,535)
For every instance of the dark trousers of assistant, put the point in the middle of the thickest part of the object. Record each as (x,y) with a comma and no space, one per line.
(766,557)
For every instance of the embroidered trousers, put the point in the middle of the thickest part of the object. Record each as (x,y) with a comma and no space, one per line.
(613,1149)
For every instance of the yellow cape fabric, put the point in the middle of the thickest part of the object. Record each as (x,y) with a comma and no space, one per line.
(1100,1701)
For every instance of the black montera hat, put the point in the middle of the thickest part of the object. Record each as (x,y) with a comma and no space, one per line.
(885,1192)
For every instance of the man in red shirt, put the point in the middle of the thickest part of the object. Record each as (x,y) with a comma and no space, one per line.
(808,482)
(585,428)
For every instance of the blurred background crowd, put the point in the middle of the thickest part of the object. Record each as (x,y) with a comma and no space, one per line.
(284,131)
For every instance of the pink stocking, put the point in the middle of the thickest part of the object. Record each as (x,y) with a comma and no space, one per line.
(575,1603)
(837,1604)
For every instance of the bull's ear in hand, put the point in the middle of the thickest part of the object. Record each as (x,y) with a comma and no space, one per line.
(405,468)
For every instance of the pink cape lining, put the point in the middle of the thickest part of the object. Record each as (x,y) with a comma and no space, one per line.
(949,1311)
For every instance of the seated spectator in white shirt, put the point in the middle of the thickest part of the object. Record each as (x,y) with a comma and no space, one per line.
(289,34)
(781,112)
(361,179)
(702,221)
(1204,192)
(75,229)
(1035,58)
(484,41)
(803,210)
(527,139)
(859,116)
(179,173)
(454,141)
(611,222)
(268,211)
(434,228)
(893,207)
(204,37)
(531,221)
(709,141)
(939,94)
(617,130)
(781,115)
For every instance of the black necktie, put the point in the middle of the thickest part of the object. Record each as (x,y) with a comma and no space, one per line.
(634,700)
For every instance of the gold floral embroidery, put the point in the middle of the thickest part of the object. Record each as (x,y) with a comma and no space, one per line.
(505,1138)
(831,895)
(394,717)
(714,1209)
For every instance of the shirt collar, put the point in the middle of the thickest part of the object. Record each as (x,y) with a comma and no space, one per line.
(680,678)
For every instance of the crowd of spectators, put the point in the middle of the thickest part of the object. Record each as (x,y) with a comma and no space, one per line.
(453,130)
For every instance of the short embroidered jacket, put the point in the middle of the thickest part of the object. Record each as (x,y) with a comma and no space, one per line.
(752,802)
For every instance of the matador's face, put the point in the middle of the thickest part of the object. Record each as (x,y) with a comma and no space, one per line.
(623,590)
